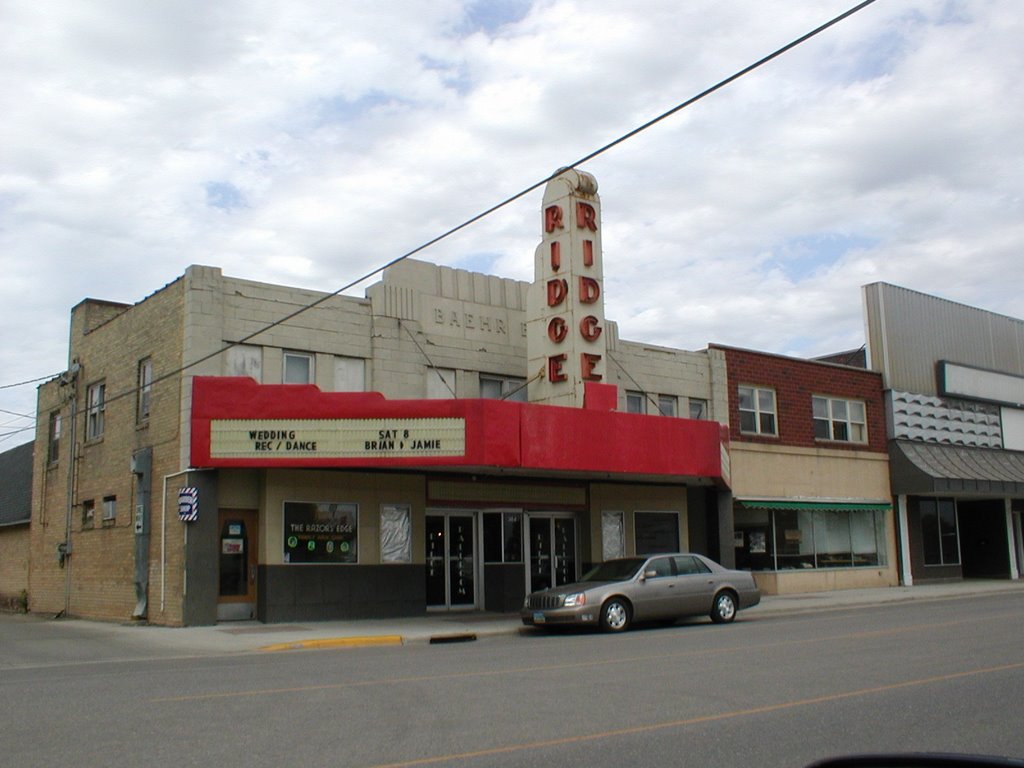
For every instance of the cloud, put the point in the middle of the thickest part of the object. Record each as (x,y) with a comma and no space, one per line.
(306,143)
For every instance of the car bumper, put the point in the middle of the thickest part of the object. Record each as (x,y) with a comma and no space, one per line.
(586,615)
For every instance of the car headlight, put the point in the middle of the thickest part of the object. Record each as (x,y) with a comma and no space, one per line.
(575,600)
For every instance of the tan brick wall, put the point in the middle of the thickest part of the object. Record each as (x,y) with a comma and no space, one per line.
(98,578)
(14,549)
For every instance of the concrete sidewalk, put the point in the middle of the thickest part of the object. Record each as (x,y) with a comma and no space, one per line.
(250,637)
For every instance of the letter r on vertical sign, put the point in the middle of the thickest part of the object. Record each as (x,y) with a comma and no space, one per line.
(586,217)
(553,218)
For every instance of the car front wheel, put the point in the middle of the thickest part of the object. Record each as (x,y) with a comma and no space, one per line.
(724,608)
(615,615)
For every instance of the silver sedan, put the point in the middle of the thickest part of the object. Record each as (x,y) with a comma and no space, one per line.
(616,593)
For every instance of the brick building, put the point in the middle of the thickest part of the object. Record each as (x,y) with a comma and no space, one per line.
(15,515)
(810,473)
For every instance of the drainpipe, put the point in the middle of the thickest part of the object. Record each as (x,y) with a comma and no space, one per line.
(163,536)
(902,521)
(70,378)
(1010,539)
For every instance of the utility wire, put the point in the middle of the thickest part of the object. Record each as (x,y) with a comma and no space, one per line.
(448,233)
(30,381)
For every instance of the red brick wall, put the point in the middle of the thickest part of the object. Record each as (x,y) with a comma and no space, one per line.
(795,382)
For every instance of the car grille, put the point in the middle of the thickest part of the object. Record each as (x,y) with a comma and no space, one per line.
(545,601)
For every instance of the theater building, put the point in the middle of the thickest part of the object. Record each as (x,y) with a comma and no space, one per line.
(954,392)
(228,449)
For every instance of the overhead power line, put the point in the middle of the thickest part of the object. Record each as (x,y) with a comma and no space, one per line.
(522,193)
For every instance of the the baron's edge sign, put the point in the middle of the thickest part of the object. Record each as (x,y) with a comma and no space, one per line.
(336,438)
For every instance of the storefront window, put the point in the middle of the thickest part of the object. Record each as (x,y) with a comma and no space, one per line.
(790,539)
(321,532)
(656,532)
(939,532)
(503,537)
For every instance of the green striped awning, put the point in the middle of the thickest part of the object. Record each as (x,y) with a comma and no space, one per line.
(818,506)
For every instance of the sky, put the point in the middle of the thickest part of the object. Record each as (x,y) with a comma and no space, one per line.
(308,143)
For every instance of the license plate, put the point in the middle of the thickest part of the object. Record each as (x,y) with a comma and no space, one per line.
(538,618)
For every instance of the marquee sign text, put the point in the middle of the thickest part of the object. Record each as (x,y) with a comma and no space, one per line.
(336,438)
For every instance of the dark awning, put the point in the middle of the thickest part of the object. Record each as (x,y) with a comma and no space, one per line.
(930,468)
(817,506)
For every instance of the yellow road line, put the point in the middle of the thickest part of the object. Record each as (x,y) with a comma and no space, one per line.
(700,719)
(557,666)
(336,642)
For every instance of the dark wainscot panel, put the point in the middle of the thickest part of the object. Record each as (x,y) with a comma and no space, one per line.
(331,592)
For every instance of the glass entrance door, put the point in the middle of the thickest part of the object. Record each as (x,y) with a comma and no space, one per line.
(552,544)
(236,594)
(451,560)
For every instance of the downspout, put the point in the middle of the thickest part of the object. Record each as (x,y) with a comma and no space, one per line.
(163,537)
(65,551)
(903,523)
(1011,539)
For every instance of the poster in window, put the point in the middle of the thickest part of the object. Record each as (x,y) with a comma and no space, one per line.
(395,534)
(758,542)
(319,532)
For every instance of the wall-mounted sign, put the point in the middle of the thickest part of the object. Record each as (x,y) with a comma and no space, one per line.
(336,438)
(188,505)
(321,532)
(566,308)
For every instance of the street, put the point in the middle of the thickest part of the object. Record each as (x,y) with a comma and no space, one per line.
(942,675)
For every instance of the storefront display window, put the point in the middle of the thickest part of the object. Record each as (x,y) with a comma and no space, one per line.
(656,532)
(503,537)
(939,532)
(789,539)
(317,532)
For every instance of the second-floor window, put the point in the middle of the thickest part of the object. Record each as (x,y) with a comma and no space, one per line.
(503,388)
(698,408)
(53,450)
(95,397)
(635,402)
(668,405)
(298,368)
(838,419)
(145,391)
(757,411)
(440,383)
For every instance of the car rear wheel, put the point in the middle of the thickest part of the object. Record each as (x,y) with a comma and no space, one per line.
(723,610)
(615,615)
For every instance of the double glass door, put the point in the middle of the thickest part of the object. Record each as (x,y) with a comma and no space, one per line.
(552,551)
(451,561)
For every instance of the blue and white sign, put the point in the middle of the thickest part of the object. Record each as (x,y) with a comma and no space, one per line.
(188,505)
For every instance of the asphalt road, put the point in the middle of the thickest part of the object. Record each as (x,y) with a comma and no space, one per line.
(944,675)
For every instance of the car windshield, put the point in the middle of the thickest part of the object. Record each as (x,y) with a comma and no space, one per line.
(614,570)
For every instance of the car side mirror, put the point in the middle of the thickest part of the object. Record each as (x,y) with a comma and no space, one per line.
(649,575)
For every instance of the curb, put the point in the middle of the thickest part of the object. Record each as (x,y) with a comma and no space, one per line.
(334,642)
